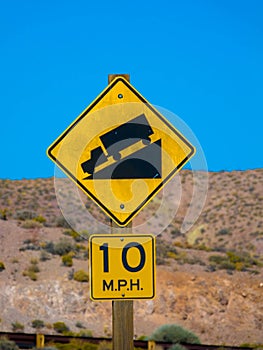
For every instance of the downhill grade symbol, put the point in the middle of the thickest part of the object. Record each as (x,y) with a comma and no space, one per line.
(122,266)
(121,151)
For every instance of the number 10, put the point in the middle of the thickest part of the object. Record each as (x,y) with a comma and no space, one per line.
(105,248)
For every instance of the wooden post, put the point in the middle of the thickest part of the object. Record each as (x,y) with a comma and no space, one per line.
(122,311)
(113,76)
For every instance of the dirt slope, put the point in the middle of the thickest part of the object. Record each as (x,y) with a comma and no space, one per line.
(209,279)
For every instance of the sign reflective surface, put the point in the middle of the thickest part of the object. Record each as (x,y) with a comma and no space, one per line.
(122,266)
(121,151)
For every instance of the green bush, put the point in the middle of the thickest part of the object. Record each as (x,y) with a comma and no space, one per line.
(40,219)
(79,325)
(3,214)
(174,333)
(217,259)
(38,324)
(234,261)
(62,222)
(8,345)
(84,234)
(17,326)
(176,233)
(60,327)
(162,251)
(44,256)
(25,215)
(221,262)
(49,247)
(2,266)
(34,261)
(32,270)
(67,260)
(87,333)
(31,274)
(243,257)
(75,235)
(81,276)
(31,224)
(30,244)
(64,246)
(223,231)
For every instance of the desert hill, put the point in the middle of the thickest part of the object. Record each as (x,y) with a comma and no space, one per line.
(209,279)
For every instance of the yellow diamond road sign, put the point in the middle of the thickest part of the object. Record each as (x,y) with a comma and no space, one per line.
(121,151)
(122,266)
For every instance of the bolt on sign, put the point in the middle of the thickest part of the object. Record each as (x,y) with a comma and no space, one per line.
(122,266)
(121,151)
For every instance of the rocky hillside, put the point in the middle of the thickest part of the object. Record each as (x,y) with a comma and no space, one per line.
(209,279)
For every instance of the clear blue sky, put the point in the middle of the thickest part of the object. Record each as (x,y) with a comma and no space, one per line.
(201,59)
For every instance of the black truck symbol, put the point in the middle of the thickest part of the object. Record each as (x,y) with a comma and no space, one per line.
(118,139)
